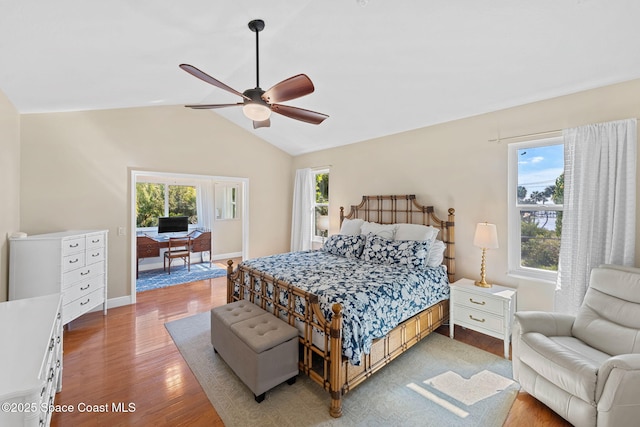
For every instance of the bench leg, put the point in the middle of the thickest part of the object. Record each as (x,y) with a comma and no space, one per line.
(292,380)
(260,398)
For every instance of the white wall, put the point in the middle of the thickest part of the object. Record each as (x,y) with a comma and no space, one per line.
(9,184)
(453,165)
(75,172)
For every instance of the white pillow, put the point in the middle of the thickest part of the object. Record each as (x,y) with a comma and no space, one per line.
(416,232)
(436,254)
(383,230)
(351,227)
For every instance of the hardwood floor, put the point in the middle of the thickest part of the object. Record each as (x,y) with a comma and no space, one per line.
(127,360)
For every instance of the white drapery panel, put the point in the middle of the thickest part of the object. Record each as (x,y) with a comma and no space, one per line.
(204,201)
(302,215)
(598,224)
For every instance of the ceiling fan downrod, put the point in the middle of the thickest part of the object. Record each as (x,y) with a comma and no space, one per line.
(256,26)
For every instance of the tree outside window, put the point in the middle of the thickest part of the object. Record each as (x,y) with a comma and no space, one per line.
(154,200)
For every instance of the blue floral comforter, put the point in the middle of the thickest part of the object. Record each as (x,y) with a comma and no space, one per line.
(375,297)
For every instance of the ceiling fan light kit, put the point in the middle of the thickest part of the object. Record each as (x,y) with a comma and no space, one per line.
(258,104)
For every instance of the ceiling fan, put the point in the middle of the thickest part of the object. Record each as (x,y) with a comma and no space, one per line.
(257,104)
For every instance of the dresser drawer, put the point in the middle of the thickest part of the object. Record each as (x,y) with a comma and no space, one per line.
(476,319)
(94,255)
(82,305)
(73,245)
(73,261)
(82,288)
(96,240)
(481,302)
(86,272)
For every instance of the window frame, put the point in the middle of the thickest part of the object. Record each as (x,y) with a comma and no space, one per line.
(226,201)
(317,238)
(515,268)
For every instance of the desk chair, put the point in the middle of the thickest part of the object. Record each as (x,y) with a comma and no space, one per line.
(179,247)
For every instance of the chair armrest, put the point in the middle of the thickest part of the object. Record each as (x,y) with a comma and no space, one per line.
(617,390)
(546,323)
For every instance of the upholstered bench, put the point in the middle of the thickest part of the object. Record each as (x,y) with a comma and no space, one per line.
(260,348)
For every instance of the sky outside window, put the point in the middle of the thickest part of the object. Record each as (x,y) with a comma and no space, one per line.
(538,168)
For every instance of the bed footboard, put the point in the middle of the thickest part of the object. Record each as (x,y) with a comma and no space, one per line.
(318,335)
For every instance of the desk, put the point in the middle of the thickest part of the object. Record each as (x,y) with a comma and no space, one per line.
(149,246)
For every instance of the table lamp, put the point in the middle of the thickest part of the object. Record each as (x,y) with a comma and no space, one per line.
(486,237)
(323,225)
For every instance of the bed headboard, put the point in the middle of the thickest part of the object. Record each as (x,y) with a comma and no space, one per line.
(405,209)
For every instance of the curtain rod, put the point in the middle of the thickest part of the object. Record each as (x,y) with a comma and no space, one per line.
(508,138)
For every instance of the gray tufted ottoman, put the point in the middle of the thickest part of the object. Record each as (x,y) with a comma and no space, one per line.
(261,349)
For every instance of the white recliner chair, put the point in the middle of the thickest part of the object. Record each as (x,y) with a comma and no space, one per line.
(586,367)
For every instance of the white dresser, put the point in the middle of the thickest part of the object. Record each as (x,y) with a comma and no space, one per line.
(73,263)
(30,360)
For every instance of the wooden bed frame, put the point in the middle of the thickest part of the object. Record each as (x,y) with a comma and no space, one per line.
(329,368)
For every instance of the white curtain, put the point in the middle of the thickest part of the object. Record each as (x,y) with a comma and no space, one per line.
(302,215)
(598,223)
(204,200)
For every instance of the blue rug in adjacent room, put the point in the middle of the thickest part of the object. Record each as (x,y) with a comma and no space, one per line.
(153,279)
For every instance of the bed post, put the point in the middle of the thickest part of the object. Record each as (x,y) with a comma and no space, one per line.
(335,368)
(451,247)
(230,284)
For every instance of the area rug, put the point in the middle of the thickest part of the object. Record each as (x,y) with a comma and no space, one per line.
(439,382)
(153,279)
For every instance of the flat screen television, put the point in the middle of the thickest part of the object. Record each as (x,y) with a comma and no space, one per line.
(173,224)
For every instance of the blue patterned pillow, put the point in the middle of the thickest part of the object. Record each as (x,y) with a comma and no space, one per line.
(410,253)
(346,246)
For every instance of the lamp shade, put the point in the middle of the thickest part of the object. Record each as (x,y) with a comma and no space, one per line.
(486,236)
(323,222)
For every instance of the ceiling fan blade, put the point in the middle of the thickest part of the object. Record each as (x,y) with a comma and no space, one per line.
(262,124)
(291,88)
(212,106)
(207,78)
(299,114)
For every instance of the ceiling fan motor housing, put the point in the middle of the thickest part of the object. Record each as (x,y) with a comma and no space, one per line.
(256,25)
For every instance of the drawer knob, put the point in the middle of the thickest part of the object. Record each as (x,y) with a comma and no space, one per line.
(95,241)
(86,302)
(86,287)
(84,274)
(75,245)
(95,255)
(477,302)
(477,320)
(73,261)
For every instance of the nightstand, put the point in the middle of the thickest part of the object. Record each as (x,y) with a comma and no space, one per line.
(486,310)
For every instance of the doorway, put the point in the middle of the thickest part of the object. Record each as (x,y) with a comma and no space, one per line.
(221,207)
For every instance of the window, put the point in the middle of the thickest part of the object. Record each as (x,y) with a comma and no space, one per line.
(226,200)
(536,190)
(321,204)
(155,199)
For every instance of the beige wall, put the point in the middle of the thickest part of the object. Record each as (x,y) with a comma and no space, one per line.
(75,173)
(9,184)
(453,165)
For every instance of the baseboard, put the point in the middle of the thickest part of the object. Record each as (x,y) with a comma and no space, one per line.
(115,302)
(230,255)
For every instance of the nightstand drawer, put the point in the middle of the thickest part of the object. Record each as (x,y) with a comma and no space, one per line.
(476,319)
(476,301)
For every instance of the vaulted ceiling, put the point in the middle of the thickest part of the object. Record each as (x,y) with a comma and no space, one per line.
(379,67)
